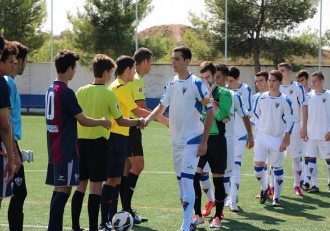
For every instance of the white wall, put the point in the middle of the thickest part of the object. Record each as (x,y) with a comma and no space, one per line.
(37,78)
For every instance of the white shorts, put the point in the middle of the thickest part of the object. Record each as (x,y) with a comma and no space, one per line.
(296,143)
(266,148)
(185,159)
(317,148)
(6,190)
(239,149)
(230,156)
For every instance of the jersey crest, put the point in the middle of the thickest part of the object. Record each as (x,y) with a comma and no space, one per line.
(184,89)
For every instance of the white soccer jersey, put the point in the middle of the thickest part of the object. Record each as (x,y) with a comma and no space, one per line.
(253,116)
(236,107)
(186,99)
(274,114)
(318,122)
(296,93)
(246,94)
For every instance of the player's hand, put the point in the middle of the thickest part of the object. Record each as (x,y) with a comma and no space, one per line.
(143,123)
(106,123)
(327,136)
(201,151)
(17,162)
(303,133)
(250,142)
(9,170)
(215,105)
(285,142)
(226,120)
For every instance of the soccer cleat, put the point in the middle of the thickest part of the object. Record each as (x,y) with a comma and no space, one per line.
(192,227)
(263,196)
(271,192)
(228,202)
(305,186)
(297,191)
(208,208)
(137,219)
(276,203)
(216,223)
(198,220)
(233,207)
(106,227)
(314,189)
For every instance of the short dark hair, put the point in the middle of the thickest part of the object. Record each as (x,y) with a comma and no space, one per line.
(142,54)
(302,73)
(186,52)
(318,74)
(22,50)
(263,73)
(101,63)
(233,72)
(123,62)
(64,60)
(286,65)
(222,68)
(207,66)
(2,44)
(9,49)
(277,74)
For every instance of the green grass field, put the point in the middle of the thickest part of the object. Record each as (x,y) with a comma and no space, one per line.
(156,195)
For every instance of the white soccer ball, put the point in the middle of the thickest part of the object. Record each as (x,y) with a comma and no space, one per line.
(122,221)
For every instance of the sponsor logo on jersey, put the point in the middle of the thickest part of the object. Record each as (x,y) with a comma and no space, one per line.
(140,89)
(323,100)
(291,91)
(52,128)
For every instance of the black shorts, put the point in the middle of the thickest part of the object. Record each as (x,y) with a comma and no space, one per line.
(135,142)
(93,159)
(216,154)
(117,155)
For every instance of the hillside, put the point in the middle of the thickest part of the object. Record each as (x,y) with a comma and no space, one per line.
(175,30)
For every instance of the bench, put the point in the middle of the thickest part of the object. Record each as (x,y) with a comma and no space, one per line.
(32,101)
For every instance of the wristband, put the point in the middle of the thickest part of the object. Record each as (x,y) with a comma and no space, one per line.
(138,122)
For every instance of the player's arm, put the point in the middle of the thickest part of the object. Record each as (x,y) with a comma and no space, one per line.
(159,110)
(223,107)
(289,120)
(303,131)
(142,104)
(91,122)
(124,122)
(248,127)
(6,133)
(207,128)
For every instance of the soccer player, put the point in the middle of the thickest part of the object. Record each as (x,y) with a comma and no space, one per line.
(216,153)
(296,94)
(240,132)
(302,78)
(15,209)
(134,164)
(274,125)
(316,127)
(186,95)
(96,101)
(8,158)
(119,140)
(62,114)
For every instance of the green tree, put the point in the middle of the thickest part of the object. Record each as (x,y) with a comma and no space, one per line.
(259,28)
(60,42)
(107,26)
(21,20)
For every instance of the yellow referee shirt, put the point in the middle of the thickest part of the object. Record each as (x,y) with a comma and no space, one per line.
(97,101)
(137,89)
(126,104)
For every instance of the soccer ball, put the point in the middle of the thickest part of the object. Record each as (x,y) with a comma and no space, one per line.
(122,221)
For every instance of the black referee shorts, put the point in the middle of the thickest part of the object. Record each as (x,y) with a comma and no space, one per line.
(135,142)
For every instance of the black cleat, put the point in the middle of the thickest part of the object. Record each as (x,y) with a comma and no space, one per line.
(276,203)
(263,196)
(313,189)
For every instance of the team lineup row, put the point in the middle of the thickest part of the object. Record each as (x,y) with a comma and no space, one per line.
(107,152)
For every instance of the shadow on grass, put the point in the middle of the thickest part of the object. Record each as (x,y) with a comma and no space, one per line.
(300,207)
(141,228)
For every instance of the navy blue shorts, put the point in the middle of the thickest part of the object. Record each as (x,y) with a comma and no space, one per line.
(63,175)
(93,159)
(117,155)
(6,190)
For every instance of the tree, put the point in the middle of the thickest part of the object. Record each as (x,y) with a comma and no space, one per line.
(259,28)
(21,20)
(107,26)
